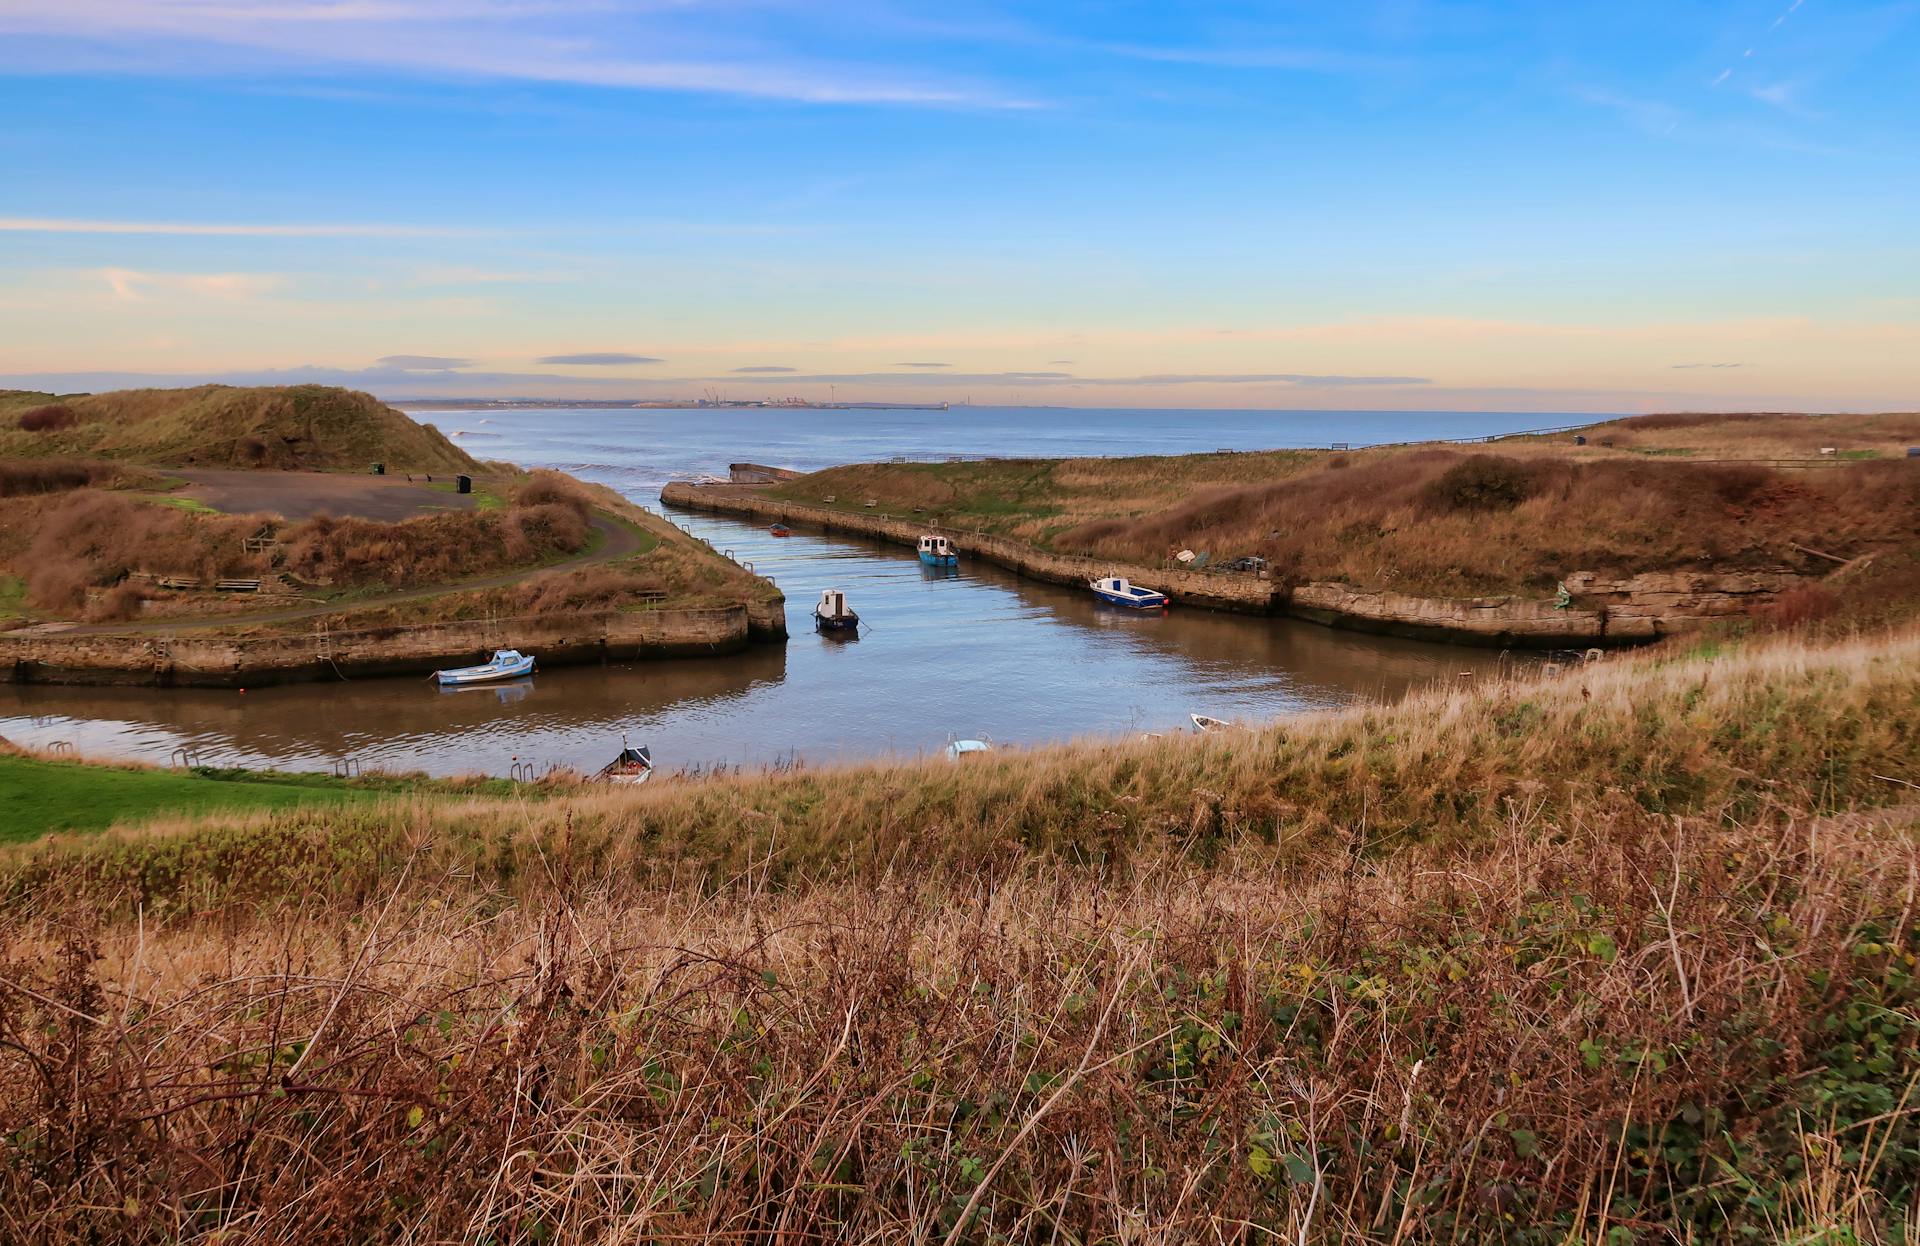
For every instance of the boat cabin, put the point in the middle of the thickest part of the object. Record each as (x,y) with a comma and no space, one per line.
(938,546)
(833,605)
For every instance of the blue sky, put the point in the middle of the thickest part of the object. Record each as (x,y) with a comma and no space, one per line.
(1399,204)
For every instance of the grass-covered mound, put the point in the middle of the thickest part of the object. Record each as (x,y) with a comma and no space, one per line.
(1624,957)
(72,550)
(309,427)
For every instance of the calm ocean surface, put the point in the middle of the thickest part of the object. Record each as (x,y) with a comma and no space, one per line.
(982,652)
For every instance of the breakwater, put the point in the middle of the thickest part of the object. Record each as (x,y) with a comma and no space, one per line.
(1604,610)
(210,660)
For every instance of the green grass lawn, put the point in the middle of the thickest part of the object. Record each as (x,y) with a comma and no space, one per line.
(13,597)
(483,500)
(178,502)
(37,797)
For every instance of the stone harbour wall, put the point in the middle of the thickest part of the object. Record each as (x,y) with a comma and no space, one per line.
(1245,593)
(188,659)
(1604,610)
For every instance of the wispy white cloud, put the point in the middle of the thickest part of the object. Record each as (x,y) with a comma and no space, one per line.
(583,42)
(132,286)
(225,229)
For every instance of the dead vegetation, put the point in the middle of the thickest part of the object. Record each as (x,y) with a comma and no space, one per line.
(307,427)
(1455,523)
(1667,994)
(68,546)
(47,418)
(1515,517)
(21,477)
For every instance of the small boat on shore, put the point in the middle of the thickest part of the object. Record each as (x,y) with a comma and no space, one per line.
(938,551)
(780,529)
(1206,724)
(505,664)
(633,767)
(1116,590)
(833,616)
(960,749)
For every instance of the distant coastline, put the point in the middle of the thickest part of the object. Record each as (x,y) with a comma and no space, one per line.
(657,404)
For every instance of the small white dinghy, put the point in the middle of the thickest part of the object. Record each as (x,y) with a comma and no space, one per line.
(505,664)
(958,750)
(1206,724)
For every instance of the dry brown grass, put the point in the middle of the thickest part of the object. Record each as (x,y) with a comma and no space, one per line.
(1767,435)
(1591,1020)
(312,427)
(22,477)
(1403,518)
(67,544)
(92,538)
(432,549)
(1402,522)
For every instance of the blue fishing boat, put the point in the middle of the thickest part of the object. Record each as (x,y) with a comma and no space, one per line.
(1116,591)
(938,551)
(833,616)
(505,664)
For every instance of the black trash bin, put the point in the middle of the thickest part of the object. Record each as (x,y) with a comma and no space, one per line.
(465,484)
(379,469)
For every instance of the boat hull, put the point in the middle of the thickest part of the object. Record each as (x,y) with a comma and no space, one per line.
(939,560)
(836,625)
(1153,601)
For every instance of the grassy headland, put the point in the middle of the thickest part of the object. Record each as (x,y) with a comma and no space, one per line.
(1626,954)
(303,427)
(1654,493)
(94,529)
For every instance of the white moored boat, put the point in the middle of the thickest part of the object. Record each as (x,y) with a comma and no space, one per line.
(505,664)
(833,616)
(1116,590)
(958,749)
(938,551)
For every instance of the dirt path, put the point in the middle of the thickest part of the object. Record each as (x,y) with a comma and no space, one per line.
(620,541)
(302,495)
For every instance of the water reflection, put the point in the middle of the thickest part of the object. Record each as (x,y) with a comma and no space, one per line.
(969,651)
